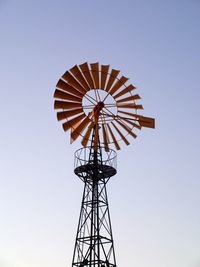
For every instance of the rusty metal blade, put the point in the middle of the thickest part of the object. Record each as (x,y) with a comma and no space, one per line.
(130,122)
(69,113)
(133,97)
(79,76)
(128,89)
(77,130)
(95,74)
(128,113)
(129,106)
(63,95)
(121,135)
(107,132)
(146,122)
(87,134)
(127,128)
(105,138)
(87,74)
(73,82)
(68,88)
(71,123)
(113,138)
(113,76)
(66,105)
(104,73)
(118,84)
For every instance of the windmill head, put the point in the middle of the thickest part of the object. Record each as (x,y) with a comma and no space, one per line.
(95,104)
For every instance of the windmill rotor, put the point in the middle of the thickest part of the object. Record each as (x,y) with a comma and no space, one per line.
(91,96)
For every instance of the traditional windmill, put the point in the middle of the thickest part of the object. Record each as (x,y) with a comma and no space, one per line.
(96,105)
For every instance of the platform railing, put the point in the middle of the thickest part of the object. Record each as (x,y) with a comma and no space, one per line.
(82,157)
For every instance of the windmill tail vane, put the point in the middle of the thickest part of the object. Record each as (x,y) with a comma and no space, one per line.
(96,105)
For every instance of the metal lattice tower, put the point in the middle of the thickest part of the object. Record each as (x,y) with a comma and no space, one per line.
(94,241)
(97,105)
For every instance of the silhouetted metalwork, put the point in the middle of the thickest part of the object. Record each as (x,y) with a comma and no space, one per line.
(94,241)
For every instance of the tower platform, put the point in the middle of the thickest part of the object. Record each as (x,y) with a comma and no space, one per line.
(85,168)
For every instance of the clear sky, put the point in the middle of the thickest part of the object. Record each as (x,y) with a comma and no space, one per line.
(155,197)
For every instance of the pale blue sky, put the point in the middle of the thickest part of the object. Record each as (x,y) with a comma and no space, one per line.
(155,197)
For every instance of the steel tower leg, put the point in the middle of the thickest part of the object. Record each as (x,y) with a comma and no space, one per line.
(94,240)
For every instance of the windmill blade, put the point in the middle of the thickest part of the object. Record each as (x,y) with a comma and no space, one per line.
(118,84)
(105,138)
(143,121)
(104,73)
(106,124)
(68,88)
(112,78)
(147,122)
(121,135)
(87,134)
(128,113)
(133,97)
(129,106)
(77,130)
(128,89)
(127,128)
(66,105)
(120,118)
(79,76)
(69,113)
(95,73)
(135,116)
(63,95)
(71,123)
(73,82)
(113,138)
(86,72)
(103,119)
(130,122)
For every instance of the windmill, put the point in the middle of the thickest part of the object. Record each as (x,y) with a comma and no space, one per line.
(97,106)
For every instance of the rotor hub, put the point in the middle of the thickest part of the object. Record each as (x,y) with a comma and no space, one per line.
(99,106)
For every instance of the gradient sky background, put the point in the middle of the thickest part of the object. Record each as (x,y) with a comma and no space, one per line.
(155,197)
